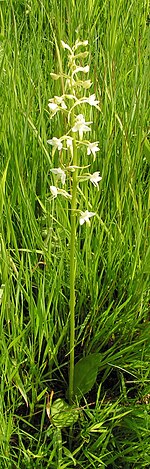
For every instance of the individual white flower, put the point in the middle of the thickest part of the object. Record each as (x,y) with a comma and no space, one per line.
(56,143)
(80,43)
(84,217)
(56,103)
(60,174)
(60,101)
(92,101)
(54,191)
(81,69)
(92,148)
(53,107)
(81,126)
(95,178)
(69,142)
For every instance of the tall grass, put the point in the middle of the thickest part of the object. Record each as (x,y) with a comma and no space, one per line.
(113,256)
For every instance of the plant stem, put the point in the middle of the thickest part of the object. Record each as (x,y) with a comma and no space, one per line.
(59,446)
(72,275)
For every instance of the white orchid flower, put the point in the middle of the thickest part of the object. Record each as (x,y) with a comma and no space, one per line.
(56,143)
(53,107)
(95,178)
(81,69)
(60,101)
(60,174)
(80,43)
(81,126)
(55,191)
(92,101)
(84,217)
(56,103)
(93,148)
(69,142)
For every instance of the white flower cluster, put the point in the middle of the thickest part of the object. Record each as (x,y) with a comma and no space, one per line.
(78,126)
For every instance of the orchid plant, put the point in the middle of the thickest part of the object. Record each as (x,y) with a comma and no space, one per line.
(70,104)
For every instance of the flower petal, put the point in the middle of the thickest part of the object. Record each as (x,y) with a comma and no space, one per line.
(65,46)
(54,191)
(95,178)
(55,142)
(84,217)
(60,173)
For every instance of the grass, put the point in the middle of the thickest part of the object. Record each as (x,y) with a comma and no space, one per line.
(113,256)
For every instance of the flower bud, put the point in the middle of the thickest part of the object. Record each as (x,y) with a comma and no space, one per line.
(54,76)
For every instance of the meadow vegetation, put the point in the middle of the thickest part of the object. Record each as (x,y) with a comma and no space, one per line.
(113,255)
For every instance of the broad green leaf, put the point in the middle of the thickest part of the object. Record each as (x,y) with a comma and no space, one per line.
(62,414)
(85,374)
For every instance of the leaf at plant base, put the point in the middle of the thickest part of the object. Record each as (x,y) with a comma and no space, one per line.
(85,374)
(62,414)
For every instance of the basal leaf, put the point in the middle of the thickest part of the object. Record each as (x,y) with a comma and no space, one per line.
(62,414)
(85,374)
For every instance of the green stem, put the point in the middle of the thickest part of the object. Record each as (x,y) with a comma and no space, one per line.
(59,446)
(72,275)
